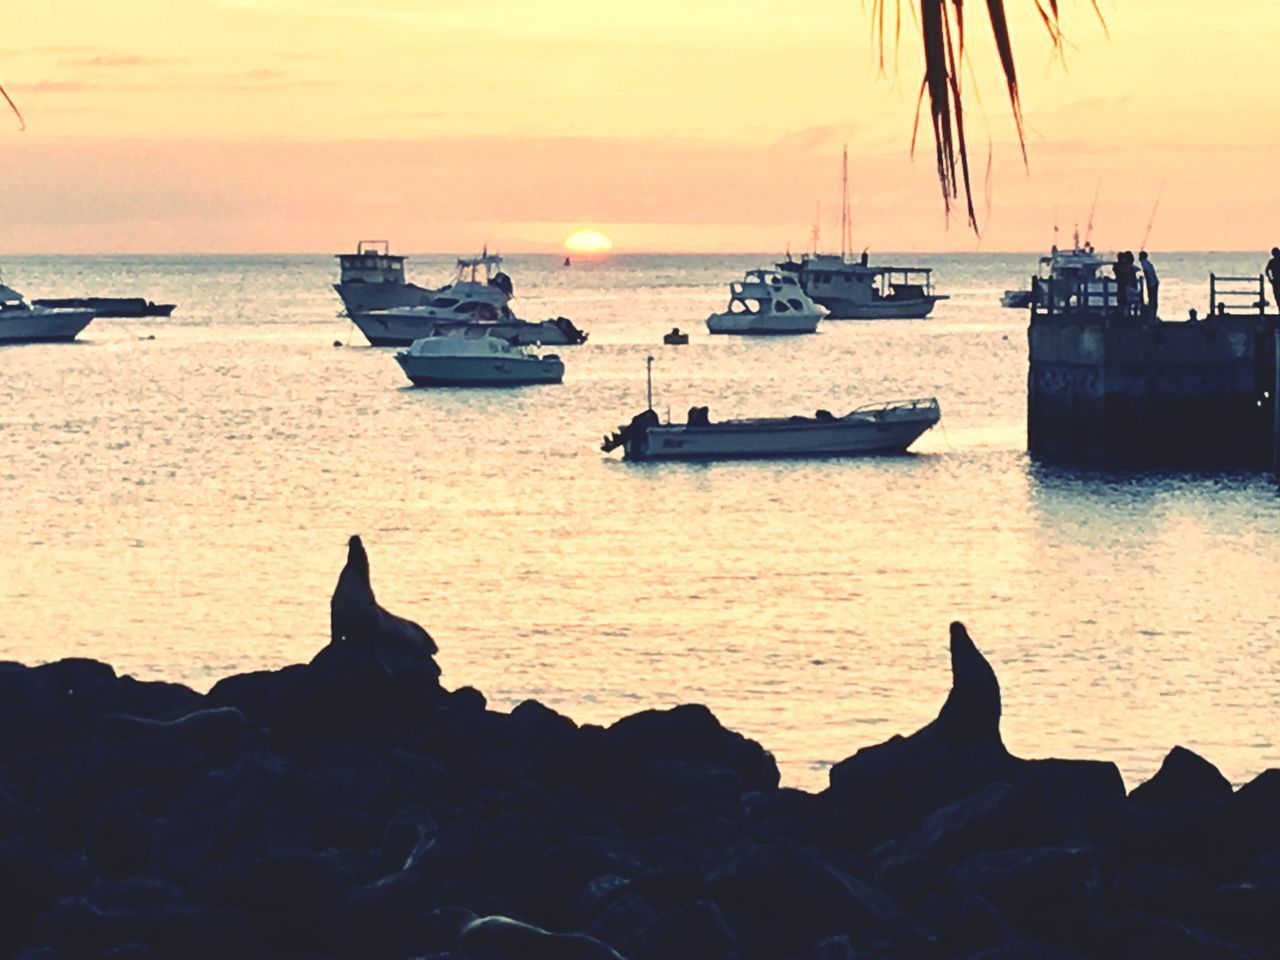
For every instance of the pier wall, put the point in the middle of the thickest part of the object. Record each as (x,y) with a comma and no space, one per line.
(1112,391)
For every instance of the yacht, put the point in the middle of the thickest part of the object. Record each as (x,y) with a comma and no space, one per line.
(22,323)
(449,314)
(372,278)
(766,302)
(873,429)
(476,361)
(131,307)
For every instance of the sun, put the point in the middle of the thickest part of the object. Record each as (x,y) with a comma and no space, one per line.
(588,241)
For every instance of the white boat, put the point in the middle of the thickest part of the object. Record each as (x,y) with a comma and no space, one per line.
(476,361)
(766,302)
(22,323)
(448,315)
(372,278)
(873,429)
(1063,276)
(857,289)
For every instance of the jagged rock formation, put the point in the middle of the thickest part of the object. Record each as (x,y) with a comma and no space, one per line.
(352,808)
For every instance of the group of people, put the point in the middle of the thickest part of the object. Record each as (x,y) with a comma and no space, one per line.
(1128,293)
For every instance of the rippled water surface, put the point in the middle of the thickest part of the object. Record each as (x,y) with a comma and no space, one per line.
(179,507)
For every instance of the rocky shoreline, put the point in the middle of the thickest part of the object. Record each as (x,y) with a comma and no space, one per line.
(351,807)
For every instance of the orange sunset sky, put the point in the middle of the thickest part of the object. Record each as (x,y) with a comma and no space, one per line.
(670,125)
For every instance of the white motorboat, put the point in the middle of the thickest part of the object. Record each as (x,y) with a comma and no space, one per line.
(372,278)
(874,429)
(22,323)
(766,302)
(448,315)
(476,361)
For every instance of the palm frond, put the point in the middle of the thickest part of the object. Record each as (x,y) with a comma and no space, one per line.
(22,124)
(942,24)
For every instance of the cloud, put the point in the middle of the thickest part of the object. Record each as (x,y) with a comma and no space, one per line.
(50,86)
(115,60)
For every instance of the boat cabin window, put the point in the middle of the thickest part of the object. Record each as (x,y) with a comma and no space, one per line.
(443,302)
(744,305)
(780,306)
(796,305)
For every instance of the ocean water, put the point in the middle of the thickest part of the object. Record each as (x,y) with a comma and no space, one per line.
(179,507)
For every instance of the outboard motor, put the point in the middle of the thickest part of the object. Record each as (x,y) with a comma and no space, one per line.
(571,333)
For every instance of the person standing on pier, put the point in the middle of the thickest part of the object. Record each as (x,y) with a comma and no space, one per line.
(1126,274)
(1273,275)
(1152,281)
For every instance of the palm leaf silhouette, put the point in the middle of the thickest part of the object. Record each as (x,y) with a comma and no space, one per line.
(942,28)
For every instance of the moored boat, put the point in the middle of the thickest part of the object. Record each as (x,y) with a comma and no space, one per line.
(859,290)
(401,327)
(23,323)
(873,429)
(1063,275)
(123,307)
(373,278)
(476,361)
(766,302)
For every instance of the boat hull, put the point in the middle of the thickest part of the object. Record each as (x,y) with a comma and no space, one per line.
(782,439)
(41,326)
(762,325)
(122,307)
(430,371)
(393,330)
(844,309)
(361,297)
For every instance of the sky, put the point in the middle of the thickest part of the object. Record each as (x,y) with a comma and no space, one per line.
(668,125)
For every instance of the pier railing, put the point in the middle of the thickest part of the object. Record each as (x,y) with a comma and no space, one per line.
(1098,296)
(1233,296)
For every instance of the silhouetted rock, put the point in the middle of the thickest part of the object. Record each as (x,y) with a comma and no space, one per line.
(1184,776)
(351,808)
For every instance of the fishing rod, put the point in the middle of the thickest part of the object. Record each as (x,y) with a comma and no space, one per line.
(1151,222)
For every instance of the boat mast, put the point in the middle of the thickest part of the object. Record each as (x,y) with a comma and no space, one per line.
(649,380)
(817,221)
(846,217)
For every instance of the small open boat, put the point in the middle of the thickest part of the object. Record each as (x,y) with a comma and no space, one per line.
(875,428)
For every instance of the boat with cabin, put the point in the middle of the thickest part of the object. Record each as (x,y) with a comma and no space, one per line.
(766,302)
(858,289)
(1065,273)
(461,360)
(372,278)
(21,322)
(449,315)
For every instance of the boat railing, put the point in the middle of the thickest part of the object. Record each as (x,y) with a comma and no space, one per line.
(1233,296)
(381,247)
(914,403)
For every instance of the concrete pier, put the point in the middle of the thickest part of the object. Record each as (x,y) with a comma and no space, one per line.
(1108,388)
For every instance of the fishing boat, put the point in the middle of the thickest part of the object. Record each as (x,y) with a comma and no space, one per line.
(766,302)
(873,429)
(858,289)
(1061,275)
(476,361)
(22,323)
(878,428)
(373,278)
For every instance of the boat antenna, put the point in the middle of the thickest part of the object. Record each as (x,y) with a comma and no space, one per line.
(817,220)
(1152,221)
(846,218)
(649,380)
(1088,230)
